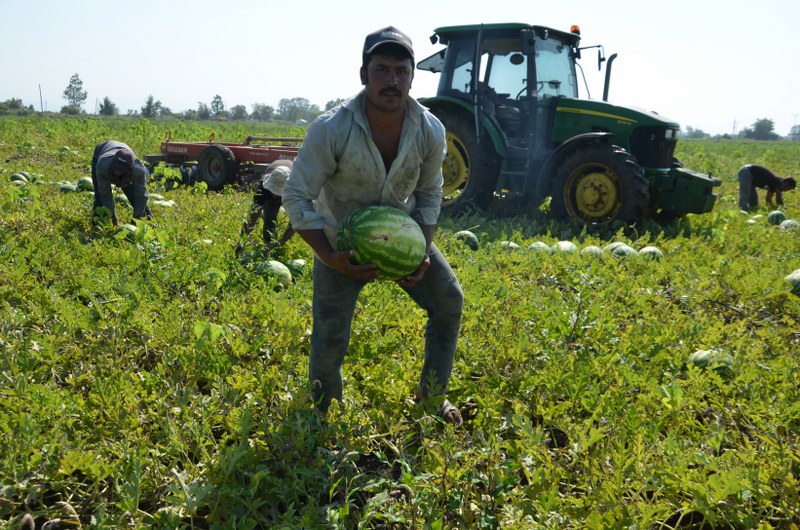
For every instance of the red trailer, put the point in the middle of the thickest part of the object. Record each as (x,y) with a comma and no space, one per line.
(218,163)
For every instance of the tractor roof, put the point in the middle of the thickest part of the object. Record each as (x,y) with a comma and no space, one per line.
(446,33)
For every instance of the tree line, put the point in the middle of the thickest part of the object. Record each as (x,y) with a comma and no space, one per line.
(294,110)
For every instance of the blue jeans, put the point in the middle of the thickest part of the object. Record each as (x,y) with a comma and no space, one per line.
(334,301)
(748,197)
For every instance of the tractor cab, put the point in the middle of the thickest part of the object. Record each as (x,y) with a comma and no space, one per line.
(516,69)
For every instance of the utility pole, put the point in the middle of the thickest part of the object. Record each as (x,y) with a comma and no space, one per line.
(41,103)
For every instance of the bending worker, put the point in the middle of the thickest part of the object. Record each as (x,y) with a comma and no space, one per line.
(115,163)
(752,176)
(267,204)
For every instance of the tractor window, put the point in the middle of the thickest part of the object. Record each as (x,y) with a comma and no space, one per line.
(555,72)
(457,73)
(508,74)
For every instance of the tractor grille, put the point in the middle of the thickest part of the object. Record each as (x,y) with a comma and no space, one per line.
(651,147)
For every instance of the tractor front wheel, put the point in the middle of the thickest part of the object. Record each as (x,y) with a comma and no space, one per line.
(216,166)
(470,169)
(600,183)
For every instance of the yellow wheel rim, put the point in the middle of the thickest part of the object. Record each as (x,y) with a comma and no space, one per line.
(455,168)
(594,193)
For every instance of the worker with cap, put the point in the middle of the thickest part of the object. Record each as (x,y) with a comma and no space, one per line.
(114,163)
(266,205)
(380,147)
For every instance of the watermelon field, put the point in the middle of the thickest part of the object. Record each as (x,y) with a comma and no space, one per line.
(152,379)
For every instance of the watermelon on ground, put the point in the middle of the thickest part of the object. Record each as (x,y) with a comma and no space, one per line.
(540,246)
(592,250)
(776,217)
(793,279)
(85,184)
(565,246)
(19,177)
(713,358)
(68,187)
(611,246)
(651,252)
(383,236)
(509,245)
(469,238)
(789,224)
(126,231)
(297,267)
(277,271)
(624,251)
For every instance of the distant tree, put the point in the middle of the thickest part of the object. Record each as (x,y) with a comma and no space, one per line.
(695,133)
(189,114)
(74,94)
(12,106)
(203,112)
(296,109)
(763,129)
(329,105)
(13,103)
(70,110)
(218,107)
(152,108)
(164,111)
(238,112)
(108,108)
(262,112)
(794,134)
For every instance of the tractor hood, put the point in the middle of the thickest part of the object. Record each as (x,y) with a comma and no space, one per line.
(575,116)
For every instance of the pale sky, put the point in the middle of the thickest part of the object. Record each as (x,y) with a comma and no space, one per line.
(714,65)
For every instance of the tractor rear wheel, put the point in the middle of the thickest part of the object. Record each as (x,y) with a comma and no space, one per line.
(216,166)
(600,183)
(470,168)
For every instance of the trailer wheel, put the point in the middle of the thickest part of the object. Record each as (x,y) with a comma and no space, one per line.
(216,166)
(598,184)
(470,169)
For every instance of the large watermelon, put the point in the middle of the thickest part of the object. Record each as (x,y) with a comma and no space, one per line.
(383,236)
(276,271)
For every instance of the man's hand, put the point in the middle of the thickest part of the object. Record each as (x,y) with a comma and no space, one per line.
(341,261)
(416,276)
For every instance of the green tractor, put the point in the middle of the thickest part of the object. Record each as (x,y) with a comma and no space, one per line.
(517,132)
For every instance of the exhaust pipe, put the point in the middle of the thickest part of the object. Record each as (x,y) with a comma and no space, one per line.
(608,76)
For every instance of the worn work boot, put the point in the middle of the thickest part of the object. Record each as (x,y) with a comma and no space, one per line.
(448,412)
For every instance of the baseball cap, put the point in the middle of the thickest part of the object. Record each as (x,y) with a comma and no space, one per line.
(387,35)
(123,160)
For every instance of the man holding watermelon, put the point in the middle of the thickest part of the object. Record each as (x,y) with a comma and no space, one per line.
(380,147)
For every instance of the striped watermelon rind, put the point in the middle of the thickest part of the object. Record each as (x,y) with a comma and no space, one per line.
(383,236)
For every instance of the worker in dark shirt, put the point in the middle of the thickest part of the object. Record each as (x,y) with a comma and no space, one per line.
(266,205)
(114,163)
(752,176)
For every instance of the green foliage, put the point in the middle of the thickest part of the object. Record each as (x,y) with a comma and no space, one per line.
(155,381)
